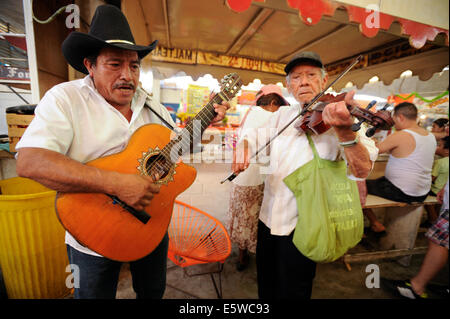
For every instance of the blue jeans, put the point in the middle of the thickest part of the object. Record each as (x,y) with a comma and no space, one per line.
(99,276)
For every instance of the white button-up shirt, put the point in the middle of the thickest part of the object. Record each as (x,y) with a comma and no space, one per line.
(256,117)
(75,120)
(288,152)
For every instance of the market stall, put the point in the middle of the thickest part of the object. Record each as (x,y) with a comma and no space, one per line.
(201,41)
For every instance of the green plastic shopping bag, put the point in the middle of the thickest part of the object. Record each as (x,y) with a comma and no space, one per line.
(330,219)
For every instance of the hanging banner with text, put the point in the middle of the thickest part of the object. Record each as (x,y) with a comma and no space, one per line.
(186,56)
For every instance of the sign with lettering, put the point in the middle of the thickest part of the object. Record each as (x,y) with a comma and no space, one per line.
(383,55)
(273,67)
(11,73)
(229,61)
(174,55)
(197,96)
(186,56)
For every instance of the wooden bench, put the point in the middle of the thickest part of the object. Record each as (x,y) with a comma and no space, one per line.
(402,222)
(373,201)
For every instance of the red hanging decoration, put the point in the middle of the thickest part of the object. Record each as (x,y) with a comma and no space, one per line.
(370,21)
(311,11)
(241,5)
(420,33)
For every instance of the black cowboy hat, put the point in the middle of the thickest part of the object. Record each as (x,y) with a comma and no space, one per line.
(109,27)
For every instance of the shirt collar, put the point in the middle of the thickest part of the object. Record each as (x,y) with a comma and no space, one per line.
(138,100)
(87,86)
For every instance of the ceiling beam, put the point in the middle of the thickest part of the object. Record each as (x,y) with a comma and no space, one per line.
(167,22)
(260,18)
(147,29)
(315,41)
(135,14)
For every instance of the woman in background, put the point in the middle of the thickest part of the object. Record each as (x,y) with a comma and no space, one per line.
(248,187)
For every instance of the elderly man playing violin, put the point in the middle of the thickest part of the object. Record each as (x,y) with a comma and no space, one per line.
(282,270)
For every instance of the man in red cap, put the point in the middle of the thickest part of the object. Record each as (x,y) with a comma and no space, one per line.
(85,119)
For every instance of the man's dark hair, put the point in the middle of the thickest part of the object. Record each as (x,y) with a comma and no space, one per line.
(408,110)
(441,122)
(92,58)
(267,99)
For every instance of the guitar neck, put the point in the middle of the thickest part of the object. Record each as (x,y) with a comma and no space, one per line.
(193,131)
(191,135)
(195,128)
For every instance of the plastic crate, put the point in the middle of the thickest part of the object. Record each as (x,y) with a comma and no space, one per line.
(18,118)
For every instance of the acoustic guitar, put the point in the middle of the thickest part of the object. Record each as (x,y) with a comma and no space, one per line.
(110,227)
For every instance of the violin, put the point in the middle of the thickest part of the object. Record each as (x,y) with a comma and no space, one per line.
(312,119)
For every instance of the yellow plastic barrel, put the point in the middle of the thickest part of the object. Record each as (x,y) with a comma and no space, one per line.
(33,256)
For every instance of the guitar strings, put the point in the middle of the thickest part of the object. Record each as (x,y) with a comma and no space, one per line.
(165,152)
(204,122)
(190,129)
(204,119)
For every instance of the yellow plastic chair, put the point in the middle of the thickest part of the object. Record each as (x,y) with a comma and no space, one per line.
(196,237)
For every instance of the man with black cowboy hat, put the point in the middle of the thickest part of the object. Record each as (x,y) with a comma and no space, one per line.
(283,272)
(85,119)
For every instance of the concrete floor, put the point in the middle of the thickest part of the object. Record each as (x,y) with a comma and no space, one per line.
(333,280)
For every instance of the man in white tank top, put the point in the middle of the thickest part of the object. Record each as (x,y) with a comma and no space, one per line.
(408,171)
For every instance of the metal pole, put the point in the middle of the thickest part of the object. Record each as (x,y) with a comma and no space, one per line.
(31,50)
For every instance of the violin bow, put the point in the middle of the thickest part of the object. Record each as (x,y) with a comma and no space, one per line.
(305,109)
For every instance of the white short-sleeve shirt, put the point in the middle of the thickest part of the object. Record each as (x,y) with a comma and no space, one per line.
(75,120)
(256,117)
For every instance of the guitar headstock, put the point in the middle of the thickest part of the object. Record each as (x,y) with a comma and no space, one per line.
(230,85)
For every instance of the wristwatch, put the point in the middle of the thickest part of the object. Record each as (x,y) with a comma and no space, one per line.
(350,143)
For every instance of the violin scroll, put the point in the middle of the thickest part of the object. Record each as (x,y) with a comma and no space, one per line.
(381,119)
(378,120)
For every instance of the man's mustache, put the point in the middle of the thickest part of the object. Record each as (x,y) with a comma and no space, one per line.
(127,85)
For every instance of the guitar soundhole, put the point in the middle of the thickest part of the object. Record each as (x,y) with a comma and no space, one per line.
(158,167)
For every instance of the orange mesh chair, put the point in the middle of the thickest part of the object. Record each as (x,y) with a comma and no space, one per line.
(196,237)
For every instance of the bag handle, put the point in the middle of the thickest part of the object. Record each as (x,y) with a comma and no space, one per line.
(313,147)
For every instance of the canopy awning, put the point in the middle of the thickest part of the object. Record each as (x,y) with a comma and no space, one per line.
(256,38)
(370,16)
